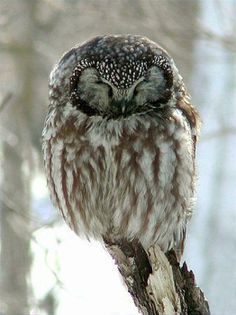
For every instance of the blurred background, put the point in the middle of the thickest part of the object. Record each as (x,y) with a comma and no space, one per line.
(44,268)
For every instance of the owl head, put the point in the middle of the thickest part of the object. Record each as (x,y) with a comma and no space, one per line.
(116,76)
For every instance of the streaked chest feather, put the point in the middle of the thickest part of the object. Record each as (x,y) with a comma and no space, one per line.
(127,174)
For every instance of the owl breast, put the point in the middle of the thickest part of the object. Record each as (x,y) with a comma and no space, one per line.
(130,178)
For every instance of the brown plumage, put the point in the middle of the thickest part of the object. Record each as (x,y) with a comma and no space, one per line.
(119,142)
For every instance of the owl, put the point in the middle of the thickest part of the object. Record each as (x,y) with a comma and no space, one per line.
(119,142)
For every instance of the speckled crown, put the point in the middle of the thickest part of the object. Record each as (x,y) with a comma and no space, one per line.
(122,59)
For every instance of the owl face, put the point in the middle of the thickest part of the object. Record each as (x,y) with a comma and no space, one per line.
(103,96)
(122,75)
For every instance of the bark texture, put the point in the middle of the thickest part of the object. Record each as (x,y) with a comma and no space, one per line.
(156,282)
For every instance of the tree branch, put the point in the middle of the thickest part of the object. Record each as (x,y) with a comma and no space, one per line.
(156,282)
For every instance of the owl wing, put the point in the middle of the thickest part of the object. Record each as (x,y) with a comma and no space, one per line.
(193,118)
(194,121)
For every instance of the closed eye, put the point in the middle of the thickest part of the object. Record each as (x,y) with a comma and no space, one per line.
(110,91)
(137,87)
(135,92)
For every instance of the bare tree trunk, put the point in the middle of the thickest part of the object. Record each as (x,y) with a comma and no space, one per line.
(15,259)
(156,282)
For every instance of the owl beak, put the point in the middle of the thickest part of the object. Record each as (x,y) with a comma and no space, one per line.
(123,106)
(120,106)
